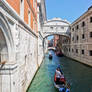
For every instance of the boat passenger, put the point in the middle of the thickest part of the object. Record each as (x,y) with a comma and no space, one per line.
(62,89)
(62,80)
(58,76)
(60,69)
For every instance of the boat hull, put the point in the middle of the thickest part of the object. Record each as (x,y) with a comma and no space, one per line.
(58,86)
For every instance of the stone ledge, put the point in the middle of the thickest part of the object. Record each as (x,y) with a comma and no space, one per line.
(6,69)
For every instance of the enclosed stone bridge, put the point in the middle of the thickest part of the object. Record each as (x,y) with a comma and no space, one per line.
(56,26)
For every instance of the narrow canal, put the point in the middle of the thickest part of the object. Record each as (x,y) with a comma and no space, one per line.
(77,74)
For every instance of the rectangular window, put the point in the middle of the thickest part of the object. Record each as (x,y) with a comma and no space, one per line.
(62,27)
(77,27)
(77,37)
(72,38)
(76,50)
(51,27)
(72,29)
(83,24)
(34,3)
(90,19)
(83,36)
(90,52)
(29,18)
(82,51)
(72,50)
(69,49)
(90,34)
(35,27)
(22,9)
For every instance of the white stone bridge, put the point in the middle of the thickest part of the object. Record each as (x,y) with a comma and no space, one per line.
(56,26)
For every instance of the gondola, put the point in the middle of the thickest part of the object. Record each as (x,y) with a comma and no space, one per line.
(59,53)
(50,56)
(61,85)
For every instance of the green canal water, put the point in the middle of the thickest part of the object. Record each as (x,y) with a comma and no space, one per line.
(77,74)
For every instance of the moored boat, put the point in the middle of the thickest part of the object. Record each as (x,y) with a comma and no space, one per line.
(59,53)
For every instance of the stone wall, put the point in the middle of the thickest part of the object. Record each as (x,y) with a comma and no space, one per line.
(18,70)
(81,39)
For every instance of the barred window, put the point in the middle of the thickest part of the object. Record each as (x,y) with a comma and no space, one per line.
(72,29)
(77,27)
(82,52)
(77,37)
(83,24)
(76,50)
(83,36)
(90,34)
(90,19)
(90,52)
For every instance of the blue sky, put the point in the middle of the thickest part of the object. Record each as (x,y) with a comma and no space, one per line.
(50,37)
(66,9)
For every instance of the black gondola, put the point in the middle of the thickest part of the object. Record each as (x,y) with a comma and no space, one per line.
(60,84)
(50,56)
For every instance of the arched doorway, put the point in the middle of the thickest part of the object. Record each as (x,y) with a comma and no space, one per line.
(7,52)
(6,39)
(3,48)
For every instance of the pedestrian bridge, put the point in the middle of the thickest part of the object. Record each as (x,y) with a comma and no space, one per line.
(56,26)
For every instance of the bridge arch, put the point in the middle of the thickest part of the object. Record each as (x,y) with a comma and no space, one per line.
(56,26)
(64,35)
(6,42)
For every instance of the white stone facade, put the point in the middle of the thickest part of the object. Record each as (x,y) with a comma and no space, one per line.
(55,26)
(18,52)
(41,18)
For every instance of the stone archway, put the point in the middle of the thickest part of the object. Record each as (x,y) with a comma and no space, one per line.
(3,48)
(7,53)
(45,43)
